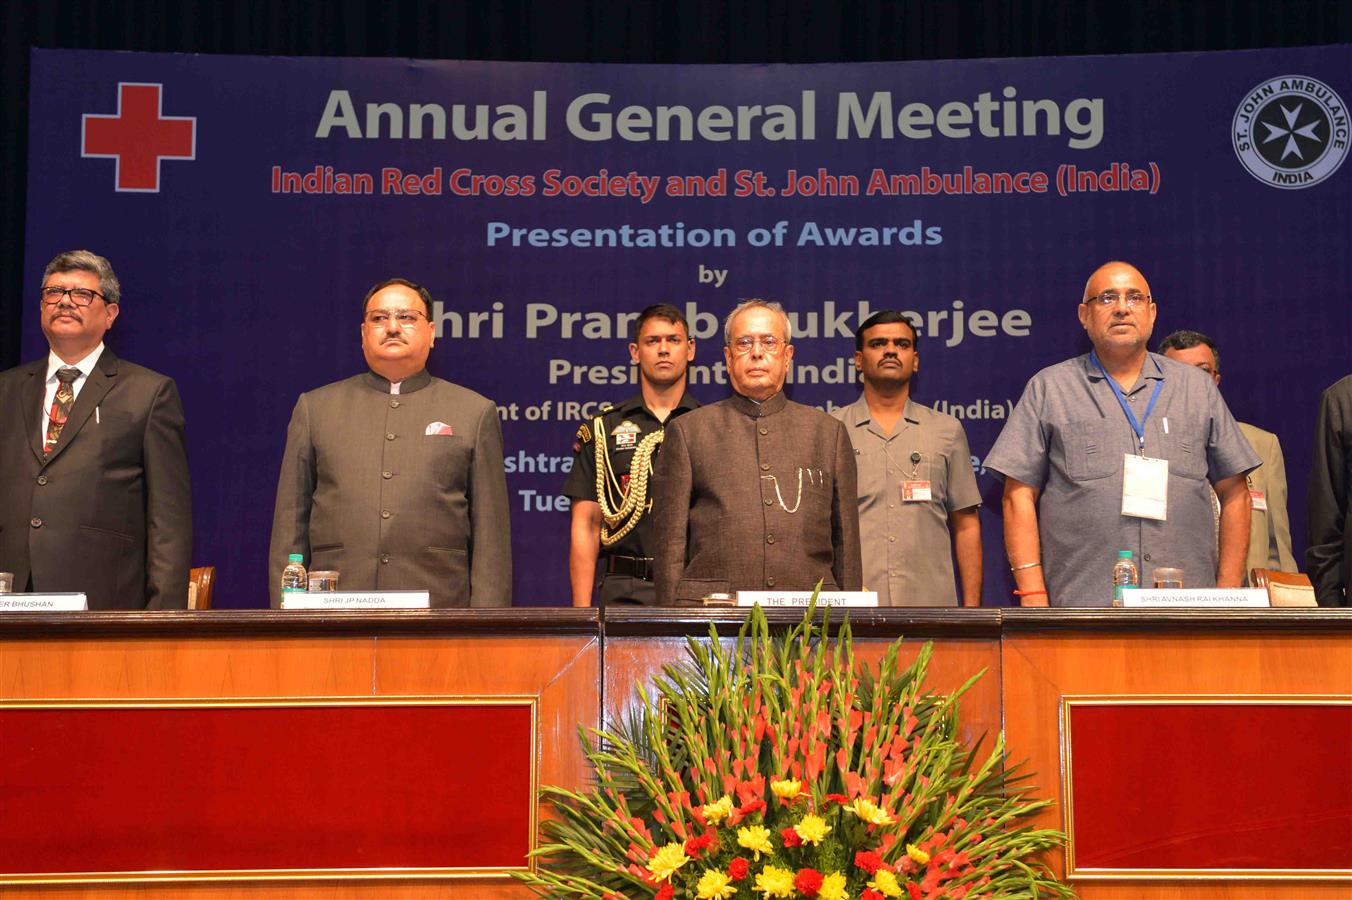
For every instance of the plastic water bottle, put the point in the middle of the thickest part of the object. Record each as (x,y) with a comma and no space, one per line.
(293,576)
(1125,574)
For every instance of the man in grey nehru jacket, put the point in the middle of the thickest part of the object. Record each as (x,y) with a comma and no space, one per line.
(394,478)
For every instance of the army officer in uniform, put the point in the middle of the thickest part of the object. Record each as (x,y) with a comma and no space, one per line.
(613,461)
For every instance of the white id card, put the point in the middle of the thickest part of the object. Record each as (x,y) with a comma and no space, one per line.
(1145,487)
(1257,500)
(915,492)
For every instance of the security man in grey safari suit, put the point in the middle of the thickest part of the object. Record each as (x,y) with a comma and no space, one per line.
(394,478)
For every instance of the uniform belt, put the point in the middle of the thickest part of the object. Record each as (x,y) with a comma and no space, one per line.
(633,566)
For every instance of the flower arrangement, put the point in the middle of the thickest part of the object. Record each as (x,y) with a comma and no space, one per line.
(773,768)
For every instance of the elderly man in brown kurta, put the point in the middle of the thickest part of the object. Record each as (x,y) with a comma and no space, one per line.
(755,492)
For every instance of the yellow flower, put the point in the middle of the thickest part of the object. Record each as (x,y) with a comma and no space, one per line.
(812,829)
(666,861)
(865,810)
(915,853)
(718,810)
(755,838)
(773,881)
(833,888)
(714,885)
(885,883)
(787,789)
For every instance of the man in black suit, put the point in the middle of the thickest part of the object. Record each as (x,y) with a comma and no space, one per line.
(1329,555)
(94,490)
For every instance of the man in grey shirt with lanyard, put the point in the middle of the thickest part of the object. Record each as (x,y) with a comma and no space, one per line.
(1118,450)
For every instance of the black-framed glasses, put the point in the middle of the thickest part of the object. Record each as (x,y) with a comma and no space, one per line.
(404,318)
(1111,298)
(51,295)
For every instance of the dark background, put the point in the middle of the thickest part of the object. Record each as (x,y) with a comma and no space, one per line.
(676,31)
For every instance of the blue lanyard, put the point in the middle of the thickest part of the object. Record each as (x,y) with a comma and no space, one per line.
(1138,427)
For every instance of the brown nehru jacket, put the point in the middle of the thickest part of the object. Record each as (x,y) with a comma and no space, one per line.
(754,496)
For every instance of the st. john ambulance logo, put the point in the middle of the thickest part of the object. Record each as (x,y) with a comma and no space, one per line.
(1291,132)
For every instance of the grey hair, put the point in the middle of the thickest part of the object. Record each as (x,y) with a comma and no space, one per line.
(85,261)
(749,304)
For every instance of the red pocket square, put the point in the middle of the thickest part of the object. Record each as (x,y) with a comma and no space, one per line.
(439,428)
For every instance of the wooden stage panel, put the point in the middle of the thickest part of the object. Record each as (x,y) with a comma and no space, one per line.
(179,667)
(564,673)
(567,658)
(555,663)
(1040,667)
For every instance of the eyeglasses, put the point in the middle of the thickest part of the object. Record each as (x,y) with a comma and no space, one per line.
(769,345)
(1110,298)
(404,318)
(79,296)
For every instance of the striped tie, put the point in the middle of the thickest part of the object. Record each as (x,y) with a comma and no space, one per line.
(61,404)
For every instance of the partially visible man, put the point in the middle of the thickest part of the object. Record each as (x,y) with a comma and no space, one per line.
(94,488)
(613,461)
(755,492)
(1118,450)
(1269,527)
(1329,518)
(917,490)
(394,478)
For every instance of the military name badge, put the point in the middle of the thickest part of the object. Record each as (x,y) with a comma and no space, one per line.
(625,435)
(915,492)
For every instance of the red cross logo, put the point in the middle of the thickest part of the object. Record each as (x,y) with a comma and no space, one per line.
(138,137)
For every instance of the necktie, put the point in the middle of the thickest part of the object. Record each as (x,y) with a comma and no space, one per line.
(61,404)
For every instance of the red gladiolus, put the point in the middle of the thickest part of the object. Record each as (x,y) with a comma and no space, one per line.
(666,893)
(738,869)
(871,894)
(808,882)
(837,798)
(915,891)
(790,838)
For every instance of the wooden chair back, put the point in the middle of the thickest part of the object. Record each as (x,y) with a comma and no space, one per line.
(200,581)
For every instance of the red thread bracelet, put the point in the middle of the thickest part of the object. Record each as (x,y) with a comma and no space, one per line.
(1029,593)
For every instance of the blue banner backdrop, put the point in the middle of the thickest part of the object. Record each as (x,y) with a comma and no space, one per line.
(248,202)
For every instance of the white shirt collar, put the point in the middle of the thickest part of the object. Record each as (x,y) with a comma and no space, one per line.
(86,365)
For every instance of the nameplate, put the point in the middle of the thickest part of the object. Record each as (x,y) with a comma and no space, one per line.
(43,603)
(1206,598)
(356,600)
(802,598)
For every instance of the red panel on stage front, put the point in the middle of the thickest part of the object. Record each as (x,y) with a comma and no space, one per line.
(1211,786)
(119,789)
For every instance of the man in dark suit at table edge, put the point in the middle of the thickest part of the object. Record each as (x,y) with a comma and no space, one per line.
(94,487)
